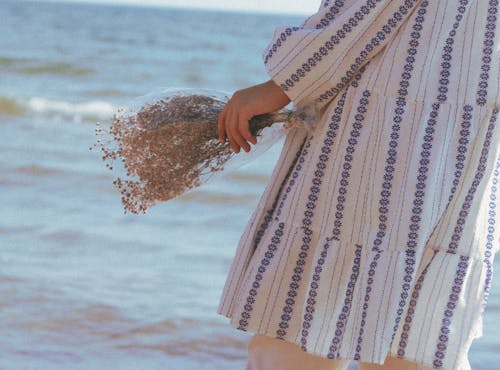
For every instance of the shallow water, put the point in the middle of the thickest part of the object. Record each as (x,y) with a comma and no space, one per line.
(84,286)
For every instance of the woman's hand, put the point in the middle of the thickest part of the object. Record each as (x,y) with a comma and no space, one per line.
(243,105)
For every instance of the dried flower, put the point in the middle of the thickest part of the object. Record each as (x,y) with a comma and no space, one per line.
(170,144)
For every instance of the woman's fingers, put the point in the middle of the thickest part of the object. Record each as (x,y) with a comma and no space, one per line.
(240,139)
(244,130)
(230,130)
(221,130)
(233,125)
(236,133)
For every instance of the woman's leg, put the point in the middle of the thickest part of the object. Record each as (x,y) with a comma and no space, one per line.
(393,363)
(266,353)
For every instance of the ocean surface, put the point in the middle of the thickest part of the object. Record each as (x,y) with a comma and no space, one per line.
(83,285)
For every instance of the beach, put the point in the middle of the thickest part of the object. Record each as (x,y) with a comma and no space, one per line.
(83,285)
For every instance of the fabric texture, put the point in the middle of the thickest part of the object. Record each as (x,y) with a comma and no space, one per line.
(377,231)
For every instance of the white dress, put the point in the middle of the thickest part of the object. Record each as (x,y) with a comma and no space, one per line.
(377,232)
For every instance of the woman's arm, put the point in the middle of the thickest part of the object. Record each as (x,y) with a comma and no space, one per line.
(312,63)
(244,104)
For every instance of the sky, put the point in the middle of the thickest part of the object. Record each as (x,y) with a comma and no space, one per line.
(305,7)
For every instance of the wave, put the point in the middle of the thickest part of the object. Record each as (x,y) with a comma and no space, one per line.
(6,61)
(89,111)
(36,67)
(64,69)
(34,170)
(76,111)
(11,107)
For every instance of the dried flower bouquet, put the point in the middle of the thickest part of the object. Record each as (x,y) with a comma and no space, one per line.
(167,143)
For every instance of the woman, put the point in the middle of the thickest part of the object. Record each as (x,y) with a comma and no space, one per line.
(374,240)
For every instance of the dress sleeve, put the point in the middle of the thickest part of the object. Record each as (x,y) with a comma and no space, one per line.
(314,61)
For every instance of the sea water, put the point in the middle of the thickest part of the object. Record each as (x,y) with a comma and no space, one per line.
(82,285)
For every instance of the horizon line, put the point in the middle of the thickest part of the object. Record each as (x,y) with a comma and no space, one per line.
(171,6)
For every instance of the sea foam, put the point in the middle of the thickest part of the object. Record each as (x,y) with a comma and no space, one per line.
(84,111)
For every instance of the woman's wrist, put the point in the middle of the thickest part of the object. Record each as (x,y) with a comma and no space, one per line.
(279,96)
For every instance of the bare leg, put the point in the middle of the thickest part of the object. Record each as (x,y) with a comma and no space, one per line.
(266,353)
(393,363)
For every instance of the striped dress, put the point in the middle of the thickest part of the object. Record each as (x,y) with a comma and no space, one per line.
(377,231)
